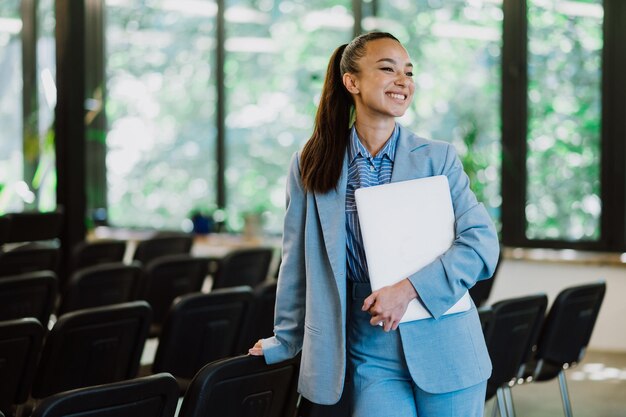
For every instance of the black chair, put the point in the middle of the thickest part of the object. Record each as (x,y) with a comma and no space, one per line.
(510,338)
(151,396)
(243,386)
(34,226)
(248,266)
(101,285)
(20,345)
(86,254)
(260,321)
(565,335)
(167,278)
(150,249)
(92,347)
(28,295)
(29,258)
(307,408)
(201,328)
(4,229)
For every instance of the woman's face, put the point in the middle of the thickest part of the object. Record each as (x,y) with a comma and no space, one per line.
(384,85)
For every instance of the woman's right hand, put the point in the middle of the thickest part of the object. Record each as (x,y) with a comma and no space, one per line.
(257,349)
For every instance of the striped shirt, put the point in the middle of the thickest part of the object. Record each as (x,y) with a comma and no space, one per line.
(364,170)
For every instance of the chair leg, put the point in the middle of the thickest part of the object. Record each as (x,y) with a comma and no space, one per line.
(508,397)
(567,406)
(500,403)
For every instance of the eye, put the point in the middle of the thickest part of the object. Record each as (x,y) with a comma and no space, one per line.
(409,74)
(388,69)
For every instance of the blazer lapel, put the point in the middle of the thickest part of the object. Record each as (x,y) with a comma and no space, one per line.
(411,159)
(331,207)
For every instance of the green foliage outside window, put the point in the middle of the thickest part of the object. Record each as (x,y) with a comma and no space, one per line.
(275,65)
(564,98)
(455,46)
(161,163)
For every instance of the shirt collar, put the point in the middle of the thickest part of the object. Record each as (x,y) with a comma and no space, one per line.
(356,148)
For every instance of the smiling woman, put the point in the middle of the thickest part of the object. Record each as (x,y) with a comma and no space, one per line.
(324,299)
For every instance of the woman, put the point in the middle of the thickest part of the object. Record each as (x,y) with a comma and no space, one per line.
(325,307)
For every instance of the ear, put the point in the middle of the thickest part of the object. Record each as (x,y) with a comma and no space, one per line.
(350,82)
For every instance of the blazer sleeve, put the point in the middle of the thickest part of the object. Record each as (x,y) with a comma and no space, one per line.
(290,295)
(473,254)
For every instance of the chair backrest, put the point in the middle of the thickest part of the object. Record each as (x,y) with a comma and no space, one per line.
(101,285)
(513,332)
(260,322)
(243,386)
(29,258)
(169,277)
(150,249)
(28,295)
(20,345)
(34,226)
(86,254)
(569,324)
(248,266)
(4,229)
(150,396)
(91,347)
(201,328)
(307,408)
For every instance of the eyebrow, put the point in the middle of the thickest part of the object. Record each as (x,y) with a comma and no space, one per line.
(408,64)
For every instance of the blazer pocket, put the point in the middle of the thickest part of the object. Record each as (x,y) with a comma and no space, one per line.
(311,329)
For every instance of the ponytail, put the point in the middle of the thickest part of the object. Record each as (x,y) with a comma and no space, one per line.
(322,156)
(321,161)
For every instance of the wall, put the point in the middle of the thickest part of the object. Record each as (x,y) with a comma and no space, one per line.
(523,277)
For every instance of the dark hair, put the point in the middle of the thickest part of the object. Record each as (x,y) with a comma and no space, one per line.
(322,157)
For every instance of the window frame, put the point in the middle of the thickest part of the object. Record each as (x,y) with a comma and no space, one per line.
(612,136)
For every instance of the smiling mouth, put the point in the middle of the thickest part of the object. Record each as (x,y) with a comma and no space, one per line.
(397,96)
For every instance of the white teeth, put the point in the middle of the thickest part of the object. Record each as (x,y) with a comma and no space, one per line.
(398,96)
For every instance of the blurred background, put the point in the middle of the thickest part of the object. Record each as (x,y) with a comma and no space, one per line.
(196,106)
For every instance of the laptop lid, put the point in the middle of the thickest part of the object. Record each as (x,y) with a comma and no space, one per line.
(405,226)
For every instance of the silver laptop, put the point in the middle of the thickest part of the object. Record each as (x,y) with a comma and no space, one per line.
(405,226)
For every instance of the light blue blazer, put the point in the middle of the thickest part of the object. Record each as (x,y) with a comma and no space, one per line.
(445,353)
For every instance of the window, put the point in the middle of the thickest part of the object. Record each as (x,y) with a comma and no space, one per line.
(44,175)
(13,190)
(160,109)
(276,58)
(564,120)
(27,100)
(456,49)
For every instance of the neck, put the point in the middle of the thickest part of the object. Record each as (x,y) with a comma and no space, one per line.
(374,135)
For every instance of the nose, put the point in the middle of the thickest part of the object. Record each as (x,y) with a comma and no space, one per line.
(402,80)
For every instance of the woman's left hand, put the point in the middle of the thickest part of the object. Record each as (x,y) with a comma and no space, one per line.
(388,304)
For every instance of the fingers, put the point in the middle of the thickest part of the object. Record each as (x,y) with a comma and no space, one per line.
(369,302)
(387,323)
(257,349)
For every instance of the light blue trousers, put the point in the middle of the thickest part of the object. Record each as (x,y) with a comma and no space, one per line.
(381,383)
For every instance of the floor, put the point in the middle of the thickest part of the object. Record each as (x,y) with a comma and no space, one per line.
(597,388)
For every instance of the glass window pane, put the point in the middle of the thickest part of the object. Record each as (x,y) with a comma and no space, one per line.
(161,111)
(276,58)
(564,104)
(13,190)
(455,46)
(44,180)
